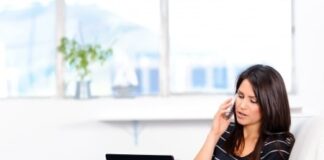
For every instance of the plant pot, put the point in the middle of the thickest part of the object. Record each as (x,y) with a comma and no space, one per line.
(83,90)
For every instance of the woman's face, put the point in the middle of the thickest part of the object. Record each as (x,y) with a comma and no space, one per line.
(247,108)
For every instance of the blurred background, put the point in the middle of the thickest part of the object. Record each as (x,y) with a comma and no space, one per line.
(201,46)
(173,63)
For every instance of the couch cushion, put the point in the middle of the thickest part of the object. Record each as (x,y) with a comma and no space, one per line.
(309,140)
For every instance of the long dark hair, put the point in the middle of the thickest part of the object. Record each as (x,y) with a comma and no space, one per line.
(270,91)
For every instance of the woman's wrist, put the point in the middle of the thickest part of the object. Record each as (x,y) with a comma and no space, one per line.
(214,136)
(215,132)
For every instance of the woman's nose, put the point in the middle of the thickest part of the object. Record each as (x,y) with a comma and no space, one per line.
(243,104)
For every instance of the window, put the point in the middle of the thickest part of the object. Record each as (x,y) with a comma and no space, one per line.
(133,33)
(27,50)
(212,41)
(194,46)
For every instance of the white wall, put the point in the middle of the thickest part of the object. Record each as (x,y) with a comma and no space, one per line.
(53,129)
(309,51)
(49,130)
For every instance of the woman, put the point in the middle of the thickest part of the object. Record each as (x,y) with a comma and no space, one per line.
(260,130)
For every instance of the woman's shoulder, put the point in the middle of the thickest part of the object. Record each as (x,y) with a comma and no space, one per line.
(229,130)
(281,139)
(231,127)
(225,136)
(278,145)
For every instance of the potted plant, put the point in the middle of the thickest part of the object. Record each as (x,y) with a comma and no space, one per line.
(80,57)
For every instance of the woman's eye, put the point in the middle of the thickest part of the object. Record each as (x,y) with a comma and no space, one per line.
(254,101)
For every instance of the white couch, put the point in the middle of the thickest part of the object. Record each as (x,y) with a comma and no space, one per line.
(309,134)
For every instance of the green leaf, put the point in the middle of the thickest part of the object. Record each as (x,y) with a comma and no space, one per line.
(81,57)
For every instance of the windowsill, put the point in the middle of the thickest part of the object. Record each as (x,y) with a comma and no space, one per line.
(134,109)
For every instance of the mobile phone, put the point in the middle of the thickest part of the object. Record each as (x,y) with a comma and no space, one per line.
(230,112)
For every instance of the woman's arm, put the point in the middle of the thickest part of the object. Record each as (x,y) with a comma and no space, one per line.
(219,125)
(206,151)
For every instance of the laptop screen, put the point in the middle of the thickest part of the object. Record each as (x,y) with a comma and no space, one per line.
(138,157)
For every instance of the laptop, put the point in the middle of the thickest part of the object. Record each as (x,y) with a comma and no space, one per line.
(138,157)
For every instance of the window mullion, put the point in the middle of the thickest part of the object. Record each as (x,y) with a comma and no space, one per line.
(60,32)
(164,61)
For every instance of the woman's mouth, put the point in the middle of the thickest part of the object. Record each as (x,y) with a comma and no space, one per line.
(241,115)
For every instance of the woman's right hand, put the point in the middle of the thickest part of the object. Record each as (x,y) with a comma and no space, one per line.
(220,121)
(220,124)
